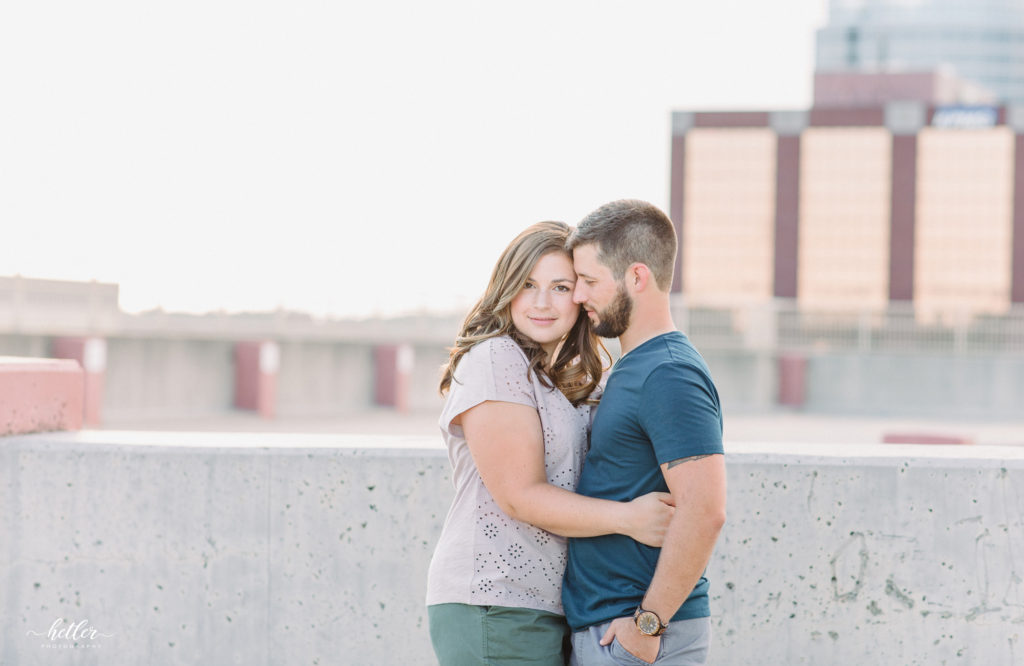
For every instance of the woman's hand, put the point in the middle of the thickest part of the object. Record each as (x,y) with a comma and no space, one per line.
(648,518)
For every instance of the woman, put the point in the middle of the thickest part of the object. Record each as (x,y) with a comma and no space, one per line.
(520,383)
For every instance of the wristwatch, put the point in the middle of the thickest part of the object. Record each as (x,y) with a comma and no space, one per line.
(648,622)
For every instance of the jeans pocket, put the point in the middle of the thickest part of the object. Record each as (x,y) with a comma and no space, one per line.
(623,656)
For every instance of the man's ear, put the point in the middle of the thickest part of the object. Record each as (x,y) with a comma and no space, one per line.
(638,277)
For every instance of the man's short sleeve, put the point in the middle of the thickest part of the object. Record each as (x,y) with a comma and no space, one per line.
(495,369)
(680,412)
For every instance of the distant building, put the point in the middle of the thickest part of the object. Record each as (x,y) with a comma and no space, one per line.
(937,86)
(902,185)
(980,39)
(162,366)
(852,208)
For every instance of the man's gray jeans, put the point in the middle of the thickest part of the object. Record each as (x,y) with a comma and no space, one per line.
(684,643)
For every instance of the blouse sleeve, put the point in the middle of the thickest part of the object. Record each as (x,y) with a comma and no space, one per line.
(495,369)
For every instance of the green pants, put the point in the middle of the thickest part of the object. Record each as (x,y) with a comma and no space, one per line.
(466,635)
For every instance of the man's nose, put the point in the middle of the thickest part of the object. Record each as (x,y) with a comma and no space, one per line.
(577,294)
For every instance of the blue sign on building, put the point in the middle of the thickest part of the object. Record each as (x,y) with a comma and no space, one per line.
(965,117)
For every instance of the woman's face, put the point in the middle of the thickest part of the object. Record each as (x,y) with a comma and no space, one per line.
(544,310)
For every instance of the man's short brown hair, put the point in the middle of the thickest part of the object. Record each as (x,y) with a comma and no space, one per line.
(630,231)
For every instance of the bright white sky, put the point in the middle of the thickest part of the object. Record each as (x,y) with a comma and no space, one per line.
(350,158)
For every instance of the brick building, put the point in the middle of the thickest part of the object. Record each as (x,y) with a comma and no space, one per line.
(852,207)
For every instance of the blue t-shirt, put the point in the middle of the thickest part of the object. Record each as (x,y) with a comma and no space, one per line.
(659,405)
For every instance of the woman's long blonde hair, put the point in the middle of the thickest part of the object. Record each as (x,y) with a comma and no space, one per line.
(577,369)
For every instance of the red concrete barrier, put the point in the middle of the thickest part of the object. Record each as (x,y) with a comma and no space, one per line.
(256,365)
(792,380)
(91,354)
(392,371)
(40,394)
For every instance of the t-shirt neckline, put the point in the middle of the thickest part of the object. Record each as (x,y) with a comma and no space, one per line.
(648,341)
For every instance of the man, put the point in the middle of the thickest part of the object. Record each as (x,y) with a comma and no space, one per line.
(659,427)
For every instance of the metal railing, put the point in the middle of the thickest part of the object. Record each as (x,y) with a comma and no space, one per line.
(782,326)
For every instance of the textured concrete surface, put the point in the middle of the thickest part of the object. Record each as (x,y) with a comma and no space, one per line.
(783,427)
(216,551)
(885,554)
(181,548)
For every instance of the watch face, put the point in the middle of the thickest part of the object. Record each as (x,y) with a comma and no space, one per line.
(647,622)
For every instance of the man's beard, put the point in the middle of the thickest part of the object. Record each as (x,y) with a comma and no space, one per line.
(614,319)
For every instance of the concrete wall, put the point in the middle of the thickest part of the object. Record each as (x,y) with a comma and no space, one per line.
(228,553)
(31,346)
(168,378)
(426,374)
(746,381)
(289,549)
(180,377)
(968,385)
(324,378)
(879,554)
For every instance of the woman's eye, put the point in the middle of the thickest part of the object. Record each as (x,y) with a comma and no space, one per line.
(562,288)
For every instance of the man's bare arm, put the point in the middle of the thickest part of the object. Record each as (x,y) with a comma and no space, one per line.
(697,484)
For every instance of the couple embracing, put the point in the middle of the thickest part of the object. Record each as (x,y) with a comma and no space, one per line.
(587,506)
